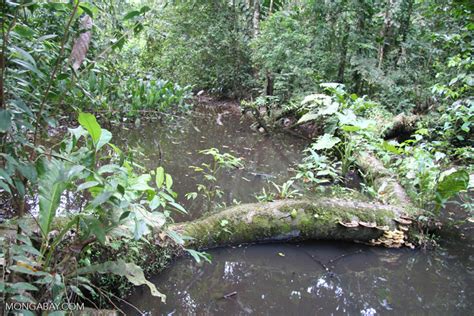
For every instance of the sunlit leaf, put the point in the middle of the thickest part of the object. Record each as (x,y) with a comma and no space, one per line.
(160,176)
(131,15)
(89,122)
(451,183)
(326,141)
(104,139)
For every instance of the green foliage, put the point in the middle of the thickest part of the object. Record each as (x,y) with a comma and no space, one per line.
(284,54)
(345,127)
(279,192)
(117,205)
(450,183)
(210,191)
(201,43)
(130,95)
(317,169)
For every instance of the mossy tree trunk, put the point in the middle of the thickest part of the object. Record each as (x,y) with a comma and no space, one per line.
(322,219)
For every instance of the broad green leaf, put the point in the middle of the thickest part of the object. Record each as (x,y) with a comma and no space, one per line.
(198,255)
(329,109)
(166,196)
(350,128)
(89,122)
(23,30)
(78,132)
(26,249)
(140,229)
(169,181)
(5,176)
(347,118)
(317,98)
(25,55)
(131,15)
(179,207)
(28,66)
(140,183)
(5,187)
(101,199)
(105,138)
(96,228)
(5,120)
(145,9)
(76,290)
(88,8)
(391,148)
(21,269)
(51,186)
(86,185)
(131,271)
(109,168)
(308,117)
(160,176)
(326,141)
(451,183)
(24,286)
(75,170)
(124,215)
(175,237)
(23,299)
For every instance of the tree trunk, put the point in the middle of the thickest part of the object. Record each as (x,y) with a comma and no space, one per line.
(322,219)
(404,28)
(362,17)
(256,18)
(343,56)
(387,25)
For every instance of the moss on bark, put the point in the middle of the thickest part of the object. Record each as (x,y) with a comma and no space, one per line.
(290,220)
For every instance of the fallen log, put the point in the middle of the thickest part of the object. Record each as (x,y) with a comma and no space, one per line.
(383,180)
(387,223)
(322,219)
(401,127)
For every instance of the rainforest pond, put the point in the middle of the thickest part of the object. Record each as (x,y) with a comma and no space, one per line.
(236,157)
(286,278)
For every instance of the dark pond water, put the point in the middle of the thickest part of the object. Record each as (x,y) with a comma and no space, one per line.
(178,144)
(288,279)
(361,281)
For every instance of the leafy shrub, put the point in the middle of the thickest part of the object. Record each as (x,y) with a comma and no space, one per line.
(117,205)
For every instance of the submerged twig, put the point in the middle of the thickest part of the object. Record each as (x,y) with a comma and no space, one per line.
(229,294)
(345,255)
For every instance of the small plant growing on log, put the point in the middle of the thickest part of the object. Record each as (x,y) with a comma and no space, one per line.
(284,191)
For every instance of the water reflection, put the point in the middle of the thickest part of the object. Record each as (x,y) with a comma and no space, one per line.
(363,280)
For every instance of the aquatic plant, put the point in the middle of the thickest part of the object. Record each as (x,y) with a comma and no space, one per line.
(210,191)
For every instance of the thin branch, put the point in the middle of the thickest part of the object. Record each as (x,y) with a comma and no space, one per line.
(55,70)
